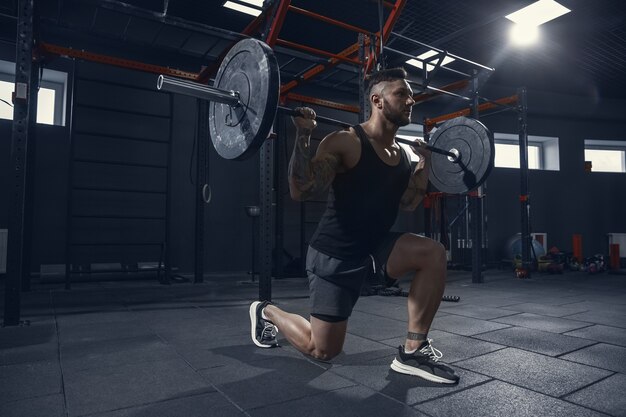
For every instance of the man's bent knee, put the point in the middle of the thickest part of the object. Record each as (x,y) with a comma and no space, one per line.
(324,355)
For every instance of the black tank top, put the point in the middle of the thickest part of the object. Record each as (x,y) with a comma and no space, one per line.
(363,204)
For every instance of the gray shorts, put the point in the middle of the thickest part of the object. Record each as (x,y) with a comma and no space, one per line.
(335,284)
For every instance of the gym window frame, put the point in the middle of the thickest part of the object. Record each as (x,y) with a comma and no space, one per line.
(546,149)
(617,146)
(50,80)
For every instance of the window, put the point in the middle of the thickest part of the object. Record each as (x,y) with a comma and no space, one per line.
(606,155)
(51,98)
(543,152)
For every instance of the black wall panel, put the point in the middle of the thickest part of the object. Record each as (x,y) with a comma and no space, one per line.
(124,123)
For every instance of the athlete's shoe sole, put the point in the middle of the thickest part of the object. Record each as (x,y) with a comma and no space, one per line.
(253,322)
(399,367)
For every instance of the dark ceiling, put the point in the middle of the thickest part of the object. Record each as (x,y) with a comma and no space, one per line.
(582,53)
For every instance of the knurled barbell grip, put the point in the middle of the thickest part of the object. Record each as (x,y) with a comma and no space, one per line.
(430,148)
(295,113)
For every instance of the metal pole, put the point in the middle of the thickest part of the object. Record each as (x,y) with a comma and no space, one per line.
(29,212)
(524,193)
(70,181)
(278,177)
(168,199)
(202,142)
(19,156)
(266,217)
(477,213)
(362,95)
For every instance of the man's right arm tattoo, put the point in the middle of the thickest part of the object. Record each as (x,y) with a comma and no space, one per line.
(308,177)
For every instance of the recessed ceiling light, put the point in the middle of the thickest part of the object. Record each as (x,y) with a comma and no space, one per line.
(538,13)
(245,9)
(524,35)
(417,63)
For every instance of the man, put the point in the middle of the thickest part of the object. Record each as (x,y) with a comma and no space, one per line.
(371,178)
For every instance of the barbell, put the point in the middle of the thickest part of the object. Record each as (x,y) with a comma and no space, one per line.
(244,101)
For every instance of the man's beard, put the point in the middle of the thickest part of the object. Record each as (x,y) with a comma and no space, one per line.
(399,119)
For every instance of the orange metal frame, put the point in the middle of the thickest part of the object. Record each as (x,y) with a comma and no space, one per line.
(346,55)
(430,123)
(321,102)
(47,48)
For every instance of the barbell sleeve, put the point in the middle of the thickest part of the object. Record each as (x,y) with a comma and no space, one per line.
(201,91)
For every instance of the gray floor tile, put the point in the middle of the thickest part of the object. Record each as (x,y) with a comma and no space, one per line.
(597,306)
(499,399)
(347,402)
(547,309)
(606,396)
(111,388)
(27,380)
(38,352)
(545,323)
(613,318)
(95,332)
(375,327)
(135,348)
(546,343)
(540,373)
(275,380)
(360,350)
(216,352)
(601,333)
(38,332)
(203,405)
(246,352)
(114,352)
(378,376)
(46,406)
(80,317)
(453,347)
(476,311)
(380,306)
(33,343)
(602,356)
(465,326)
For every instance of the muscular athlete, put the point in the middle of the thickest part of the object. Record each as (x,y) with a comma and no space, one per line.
(370,178)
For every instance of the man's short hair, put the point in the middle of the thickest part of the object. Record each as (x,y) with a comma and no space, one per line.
(391,74)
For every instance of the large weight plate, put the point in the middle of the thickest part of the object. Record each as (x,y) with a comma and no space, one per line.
(475,144)
(251,69)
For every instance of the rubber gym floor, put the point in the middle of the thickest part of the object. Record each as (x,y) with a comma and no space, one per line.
(552,345)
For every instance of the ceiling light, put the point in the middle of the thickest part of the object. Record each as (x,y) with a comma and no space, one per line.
(523,35)
(417,63)
(538,13)
(244,9)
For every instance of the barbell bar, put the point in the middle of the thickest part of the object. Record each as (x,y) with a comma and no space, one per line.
(231,98)
(244,101)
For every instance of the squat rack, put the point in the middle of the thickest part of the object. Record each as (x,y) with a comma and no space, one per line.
(369,52)
(270,21)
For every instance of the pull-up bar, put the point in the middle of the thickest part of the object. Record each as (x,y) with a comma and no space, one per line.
(490,104)
(458,58)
